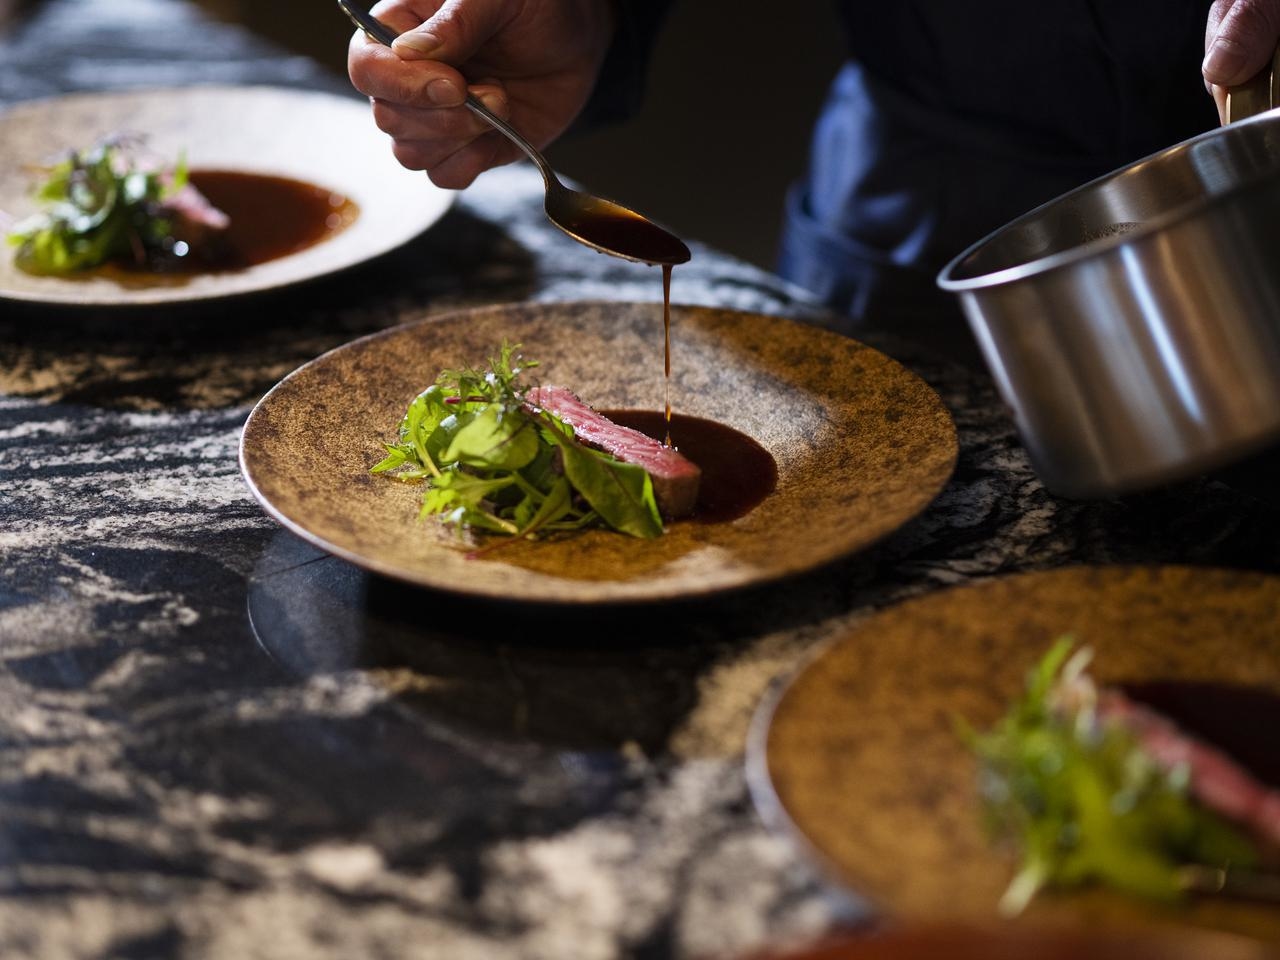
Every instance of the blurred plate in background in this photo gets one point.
(861, 760)
(318, 138)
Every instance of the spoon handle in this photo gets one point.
(376, 30)
(480, 110)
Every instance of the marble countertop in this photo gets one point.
(217, 742)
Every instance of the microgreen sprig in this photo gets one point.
(496, 464)
(98, 205)
(1082, 799)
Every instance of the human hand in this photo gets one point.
(1239, 40)
(533, 64)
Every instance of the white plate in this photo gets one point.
(317, 137)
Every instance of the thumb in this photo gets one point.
(453, 33)
(1243, 42)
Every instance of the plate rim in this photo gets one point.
(768, 803)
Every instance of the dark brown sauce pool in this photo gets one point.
(737, 473)
(1242, 721)
(271, 217)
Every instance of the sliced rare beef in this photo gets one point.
(1217, 780)
(198, 223)
(675, 477)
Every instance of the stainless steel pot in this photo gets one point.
(1133, 324)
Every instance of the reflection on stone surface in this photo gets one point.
(562, 677)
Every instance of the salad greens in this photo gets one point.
(493, 464)
(99, 206)
(1084, 801)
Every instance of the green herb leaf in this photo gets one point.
(1082, 799)
(462, 497)
(493, 439)
(622, 493)
(492, 465)
(180, 177)
(99, 206)
(556, 505)
(395, 458)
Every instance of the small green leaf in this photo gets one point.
(181, 175)
(98, 206)
(554, 506)
(1082, 798)
(496, 467)
(395, 458)
(463, 496)
(493, 440)
(621, 493)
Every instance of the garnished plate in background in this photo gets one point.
(860, 759)
(862, 446)
(319, 138)
(959, 942)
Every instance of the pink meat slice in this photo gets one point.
(675, 477)
(1216, 780)
(196, 221)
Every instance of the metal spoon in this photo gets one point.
(601, 224)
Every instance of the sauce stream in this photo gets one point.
(666, 346)
(737, 472)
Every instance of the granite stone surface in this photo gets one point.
(217, 742)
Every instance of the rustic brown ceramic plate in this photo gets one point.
(860, 758)
(862, 446)
(959, 942)
(323, 139)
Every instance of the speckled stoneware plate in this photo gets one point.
(859, 757)
(959, 942)
(320, 138)
(862, 446)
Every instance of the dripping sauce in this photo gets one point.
(666, 347)
(737, 472)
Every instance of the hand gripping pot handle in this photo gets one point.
(1257, 95)
(1133, 323)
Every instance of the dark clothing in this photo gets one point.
(952, 118)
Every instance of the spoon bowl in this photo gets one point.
(598, 223)
(612, 228)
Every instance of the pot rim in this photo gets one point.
(1101, 245)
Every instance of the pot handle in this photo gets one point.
(1257, 95)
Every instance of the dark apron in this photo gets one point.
(954, 117)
